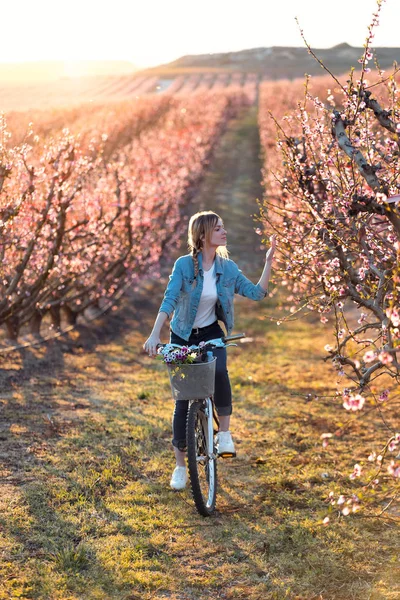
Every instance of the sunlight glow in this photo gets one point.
(157, 32)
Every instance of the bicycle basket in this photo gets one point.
(196, 380)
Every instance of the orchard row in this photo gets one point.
(100, 90)
(86, 209)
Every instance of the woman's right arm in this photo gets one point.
(167, 307)
(150, 345)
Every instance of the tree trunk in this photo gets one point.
(55, 315)
(12, 326)
(35, 322)
(70, 315)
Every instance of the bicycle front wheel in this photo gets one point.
(201, 456)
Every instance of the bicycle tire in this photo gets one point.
(202, 469)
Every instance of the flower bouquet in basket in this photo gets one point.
(185, 355)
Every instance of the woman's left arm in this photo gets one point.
(245, 287)
(265, 275)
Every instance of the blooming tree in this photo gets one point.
(333, 197)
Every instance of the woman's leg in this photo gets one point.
(223, 393)
(223, 400)
(179, 418)
(180, 457)
(179, 431)
(224, 422)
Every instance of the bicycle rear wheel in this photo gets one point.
(201, 457)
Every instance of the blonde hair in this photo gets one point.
(201, 225)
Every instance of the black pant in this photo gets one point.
(222, 393)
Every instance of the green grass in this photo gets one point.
(85, 505)
(86, 510)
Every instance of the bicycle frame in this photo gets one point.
(208, 411)
(210, 429)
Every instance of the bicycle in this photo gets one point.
(195, 382)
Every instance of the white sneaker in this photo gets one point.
(225, 445)
(179, 478)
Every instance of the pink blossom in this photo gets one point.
(354, 403)
(385, 358)
(362, 272)
(325, 439)
(369, 356)
(394, 469)
(356, 471)
(394, 316)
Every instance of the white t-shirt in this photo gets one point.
(206, 310)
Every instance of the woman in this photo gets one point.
(199, 293)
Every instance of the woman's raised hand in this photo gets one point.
(271, 251)
(150, 345)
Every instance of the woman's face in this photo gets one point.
(218, 235)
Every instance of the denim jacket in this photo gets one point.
(183, 292)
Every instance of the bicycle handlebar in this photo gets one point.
(216, 343)
(235, 336)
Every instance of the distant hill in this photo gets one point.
(275, 62)
(42, 86)
(55, 70)
(279, 62)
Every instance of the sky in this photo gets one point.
(153, 32)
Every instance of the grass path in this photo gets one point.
(85, 457)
